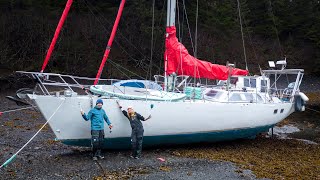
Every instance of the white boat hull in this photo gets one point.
(171, 122)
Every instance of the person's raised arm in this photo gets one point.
(119, 105)
(142, 118)
(124, 112)
(149, 117)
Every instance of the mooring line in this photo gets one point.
(103, 171)
(14, 156)
(313, 110)
(13, 110)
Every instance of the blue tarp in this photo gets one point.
(134, 84)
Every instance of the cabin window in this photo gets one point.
(246, 82)
(263, 86)
(253, 83)
(212, 94)
(233, 80)
(275, 111)
(249, 82)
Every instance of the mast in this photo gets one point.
(108, 48)
(171, 21)
(56, 34)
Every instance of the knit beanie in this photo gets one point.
(99, 101)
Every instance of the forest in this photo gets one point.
(272, 30)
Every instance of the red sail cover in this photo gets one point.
(181, 62)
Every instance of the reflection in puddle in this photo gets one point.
(283, 132)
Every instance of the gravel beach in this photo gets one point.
(45, 158)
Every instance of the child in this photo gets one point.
(97, 115)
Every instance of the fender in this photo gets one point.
(299, 103)
(303, 97)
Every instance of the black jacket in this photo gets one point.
(135, 121)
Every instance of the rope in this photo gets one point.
(14, 156)
(244, 47)
(102, 169)
(13, 110)
(313, 110)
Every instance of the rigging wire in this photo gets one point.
(190, 35)
(110, 24)
(122, 48)
(196, 70)
(196, 31)
(139, 62)
(182, 26)
(163, 45)
(151, 51)
(250, 39)
(119, 66)
(244, 47)
(180, 38)
(275, 27)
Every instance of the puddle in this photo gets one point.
(283, 132)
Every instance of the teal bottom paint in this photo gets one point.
(125, 143)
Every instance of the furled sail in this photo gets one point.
(178, 60)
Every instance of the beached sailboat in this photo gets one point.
(240, 106)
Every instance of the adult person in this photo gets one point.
(137, 130)
(97, 115)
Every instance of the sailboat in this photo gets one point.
(239, 106)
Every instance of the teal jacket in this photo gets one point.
(97, 116)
